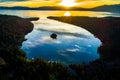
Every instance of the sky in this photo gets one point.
(39, 3)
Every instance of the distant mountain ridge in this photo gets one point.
(42, 8)
(108, 8)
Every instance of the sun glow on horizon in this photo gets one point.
(65, 3)
(68, 3)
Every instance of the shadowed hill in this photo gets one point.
(106, 29)
(15, 66)
(13, 62)
(16, 24)
(12, 33)
(108, 8)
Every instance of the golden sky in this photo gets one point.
(39, 3)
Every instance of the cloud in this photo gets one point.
(58, 0)
(95, 0)
(69, 35)
(38, 3)
(11, 0)
(28, 0)
(49, 40)
(72, 50)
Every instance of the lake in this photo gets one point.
(73, 44)
(44, 14)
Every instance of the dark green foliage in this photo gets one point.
(107, 29)
(17, 67)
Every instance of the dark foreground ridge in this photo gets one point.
(13, 62)
(15, 66)
(107, 29)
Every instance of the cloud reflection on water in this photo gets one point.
(49, 40)
(73, 44)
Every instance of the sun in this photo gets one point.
(68, 3)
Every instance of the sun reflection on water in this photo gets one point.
(67, 13)
(45, 14)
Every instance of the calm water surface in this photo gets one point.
(73, 44)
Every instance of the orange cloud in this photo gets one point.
(39, 3)
(91, 4)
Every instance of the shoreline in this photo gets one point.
(15, 66)
(106, 29)
(13, 62)
(12, 33)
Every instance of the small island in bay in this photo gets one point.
(13, 62)
(53, 36)
(15, 66)
(59, 39)
(107, 29)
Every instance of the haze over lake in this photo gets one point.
(44, 14)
